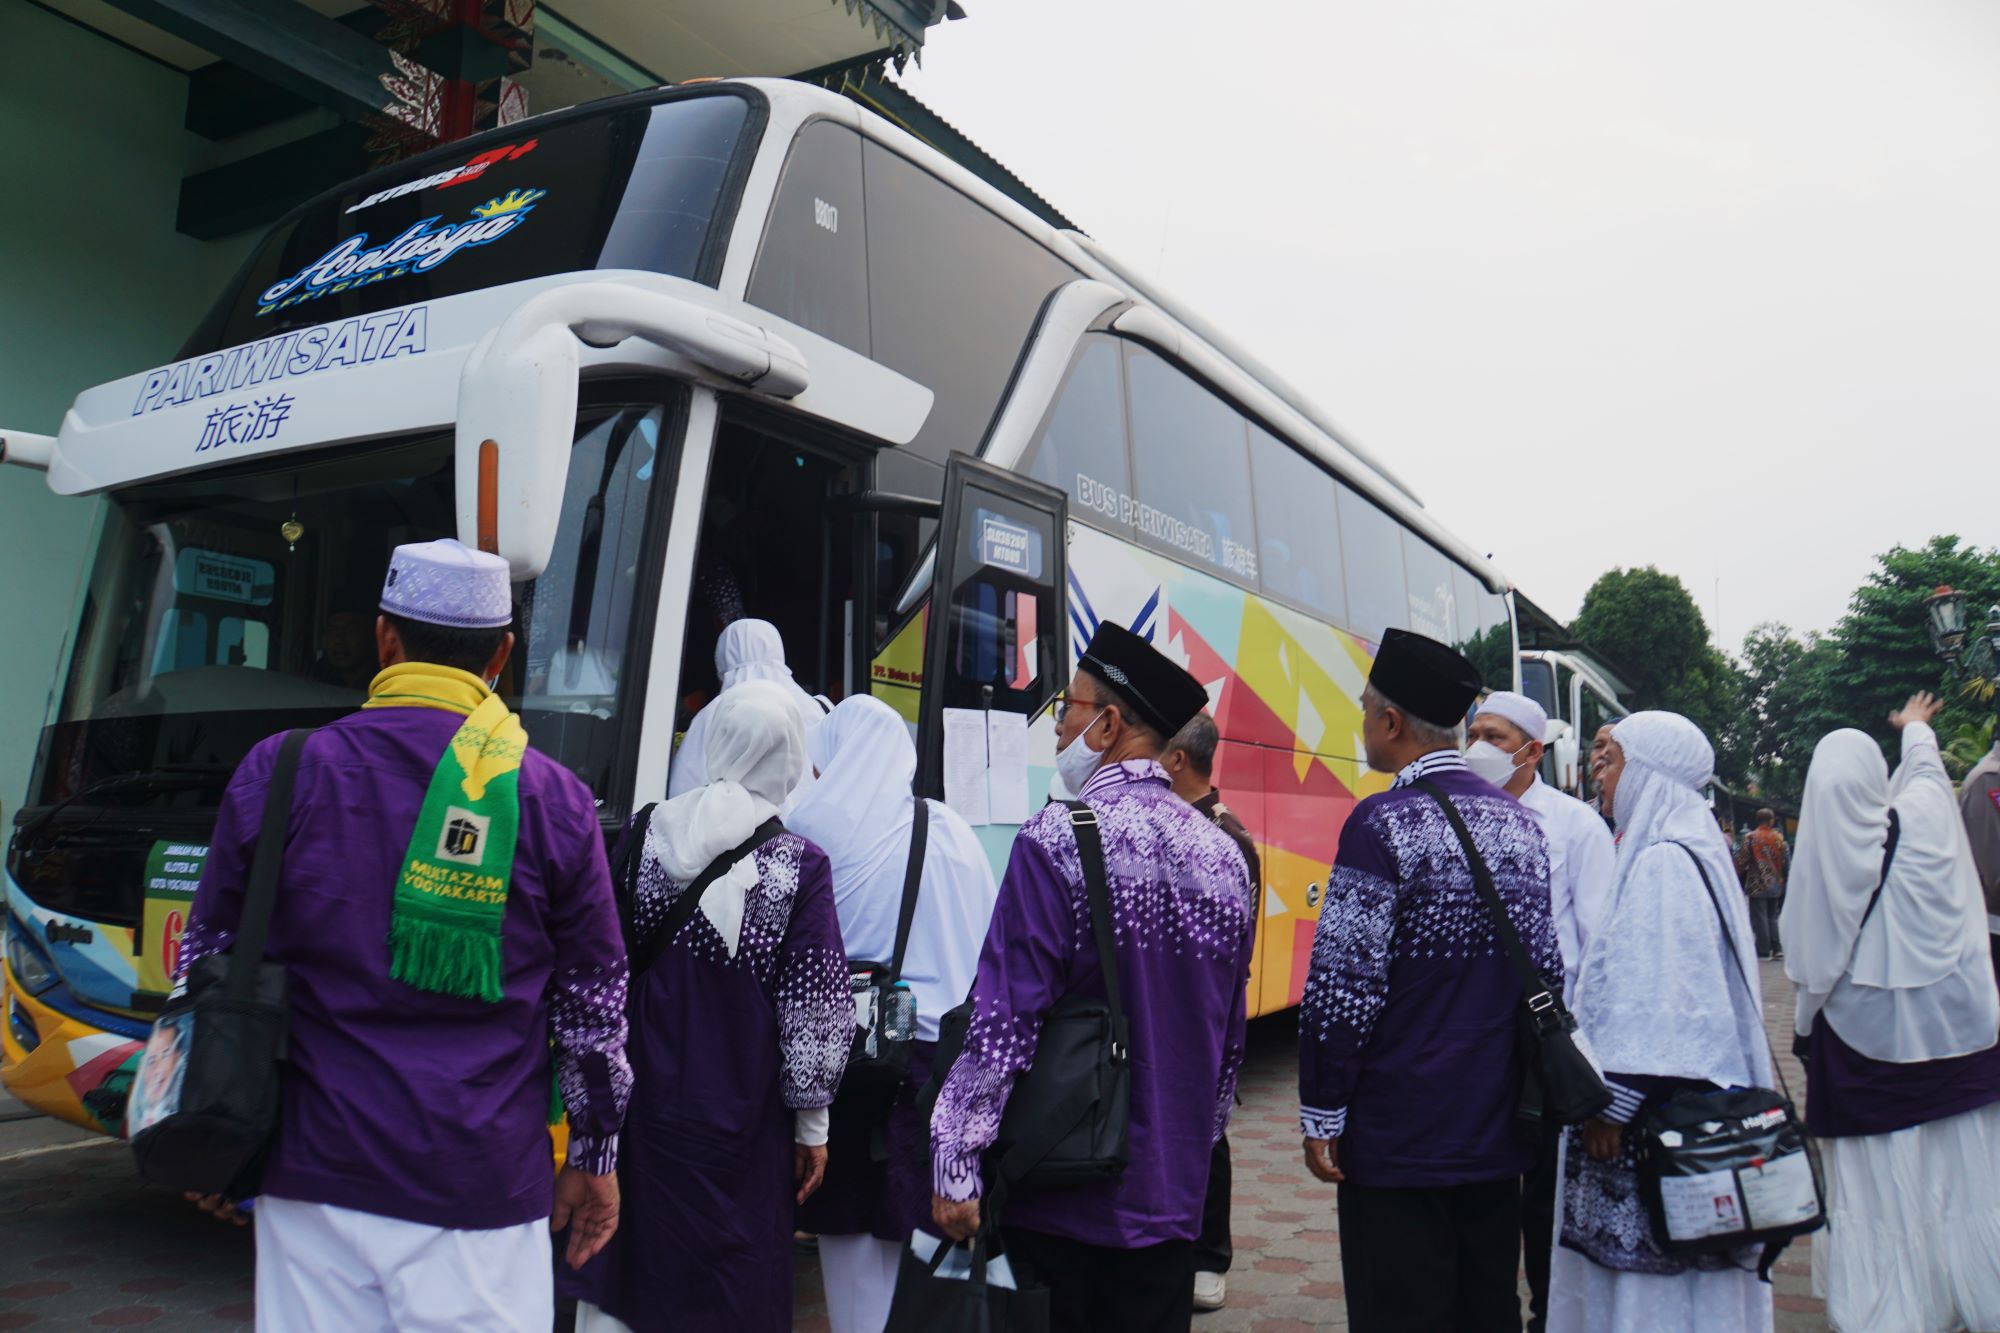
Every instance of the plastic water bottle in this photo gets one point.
(899, 1022)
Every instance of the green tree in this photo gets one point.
(1787, 705)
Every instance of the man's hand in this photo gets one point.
(588, 1206)
(220, 1208)
(958, 1221)
(808, 1169)
(1602, 1139)
(1323, 1160)
(1922, 707)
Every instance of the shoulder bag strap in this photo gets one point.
(1535, 991)
(683, 909)
(261, 896)
(913, 878)
(1882, 882)
(626, 854)
(1090, 850)
(1736, 962)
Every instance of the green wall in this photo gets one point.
(95, 283)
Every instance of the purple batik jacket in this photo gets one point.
(1407, 1027)
(398, 1101)
(1184, 921)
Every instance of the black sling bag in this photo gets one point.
(1559, 1085)
(1067, 1119)
(643, 945)
(205, 1101)
(878, 1061)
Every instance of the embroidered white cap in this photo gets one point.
(1524, 713)
(447, 583)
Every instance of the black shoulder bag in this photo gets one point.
(1066, 1121)
(205, 1101)
(1722, 1170)
(878, 1061)
(643, 945)
(1558, 1085)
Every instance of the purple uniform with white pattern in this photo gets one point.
(1407, 1027)
(724, 1050)
(1184, 923)
(402, 1102)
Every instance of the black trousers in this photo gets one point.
(1538, 1224)
(1213, 1249)
(1438, 1260)
(1764, 924)
(1096, 1289)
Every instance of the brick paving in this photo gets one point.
(85, 1245)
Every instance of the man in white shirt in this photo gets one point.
(1506, 741)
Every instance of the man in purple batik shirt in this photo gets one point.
(1119, 1254)
(409, 1181)
(1408, 1073)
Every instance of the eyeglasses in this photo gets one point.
(1066, 702)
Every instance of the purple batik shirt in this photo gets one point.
(1407, 1028)
(1183, 920)
(397, 1101)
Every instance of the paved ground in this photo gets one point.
(84, 1245)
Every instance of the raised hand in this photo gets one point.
(1922, 707)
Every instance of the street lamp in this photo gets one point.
(1976, 665)
(1945, 610)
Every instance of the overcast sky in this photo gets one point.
(1708, 284)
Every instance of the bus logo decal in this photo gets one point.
(418, 249)
(352, 342)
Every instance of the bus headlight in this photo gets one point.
(32, 970)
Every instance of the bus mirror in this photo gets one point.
(1565, 748)
(517, 398)
(24, 449)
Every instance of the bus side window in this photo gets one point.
(1190, 470)
(1371, 550)
(1081, 448)
(1297, 529)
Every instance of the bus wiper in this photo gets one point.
(168, 777)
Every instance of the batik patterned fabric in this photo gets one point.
(1183, 923)
(727, 1043)
(1407, 1029)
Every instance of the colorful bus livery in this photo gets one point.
(750, 350)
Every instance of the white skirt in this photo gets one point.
(1912, 1243)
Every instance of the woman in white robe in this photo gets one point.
(860, 813)
(1661, 1007)
(1899, 1009)
(746, 650)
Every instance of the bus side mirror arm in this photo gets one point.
(517, 399)
(25, 449)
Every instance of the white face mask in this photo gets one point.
(1488, 761)
(1077, 761)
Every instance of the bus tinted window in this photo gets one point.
(813, 269)
(1190, 470)
(1298, 530)
(953, 291)
(1082, 444)
(1371, 554)
(1427, 575)
(642, 187)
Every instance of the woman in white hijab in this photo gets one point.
(746, 650)
(860, 812)
(1898, 1005)
(739, 1028)
(1664, 1002)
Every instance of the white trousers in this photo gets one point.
(860, 1277)
(322, 1269)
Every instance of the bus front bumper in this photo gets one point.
(51, 1059)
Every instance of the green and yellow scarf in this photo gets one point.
(451, 898)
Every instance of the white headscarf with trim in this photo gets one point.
(859, 813)
(1657, 993)
(746, 650)
(1921, 983)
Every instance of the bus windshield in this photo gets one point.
(223, 607)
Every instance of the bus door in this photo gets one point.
(994, 650)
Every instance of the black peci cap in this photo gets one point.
(1425, 678)
(1165, 697)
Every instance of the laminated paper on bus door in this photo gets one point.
(965, 763)
(1007, 767)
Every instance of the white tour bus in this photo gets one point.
(681, 356)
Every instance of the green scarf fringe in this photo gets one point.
(445, 960)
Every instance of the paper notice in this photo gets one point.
(1007, 767)
(1703, 1205)
(965, 763)
(1780, 1192)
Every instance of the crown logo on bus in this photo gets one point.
(514, 201)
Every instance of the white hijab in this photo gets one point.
(746, 650)
(859, 813)
(754, 752)
(1657, 992)
(1921, 983)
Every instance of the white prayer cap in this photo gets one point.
(446, 583)
(1523, 713)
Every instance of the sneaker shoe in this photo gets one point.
(1210, 1290)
